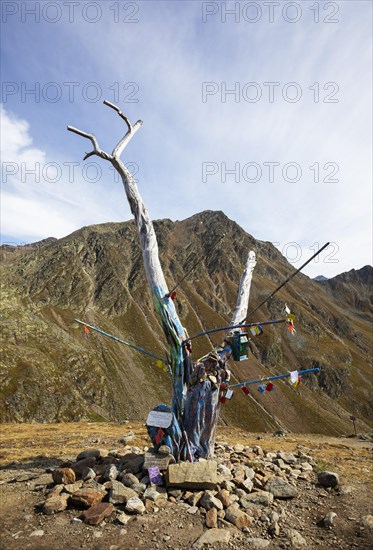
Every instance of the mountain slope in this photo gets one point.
(51, 371)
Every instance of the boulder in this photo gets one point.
(295, 538)
(257, 543)
(280, 488)
(209, 501)
(89, 453)
(87, 497)
(132, 462)
(55, 504)
(63, 476)
(261, 498)
(212, 518)
(128, 479)
(225, 498)
(119, 493)
(328, 479)
(213, 536)
(81, 465)
(237, 517)
(95, 514)
(135, 506)
(192, 475)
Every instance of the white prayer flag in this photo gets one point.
(294, 376)
(229, 394)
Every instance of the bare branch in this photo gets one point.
(96, 149)
(122, 115)
(118, 149)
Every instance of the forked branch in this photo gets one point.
(118, 149)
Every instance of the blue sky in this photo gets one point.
(170, 63)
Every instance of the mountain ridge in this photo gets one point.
(51, 371)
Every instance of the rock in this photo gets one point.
(55, 504)
(328, 520)
(213, 536)
(95, 514)
(55, 491)
(151, 494)
(132, 462)
(89, 453)
(139, 488)
(238, 448)
(75, 521)
(119, 493)
(128, 479)
(247, 485)
(178, 492)
(345, 489)
(194, 498)
(37, 533)
(280, 488)
(158, 459)
(225, 498)
(237, 517)
(124, 518)
(81, 465)
(261, 498)
(63, 475)
(367, 521)
(212, 518)
(209, 501)
(257, 543)
(295, 538)
(88, 473)
(111, 472)
(328, 479)
(250, 473)
(289, 458)
(194, 509)
(306, 467)
(135, 505)
(274, 529)
(225, 472)
(87, 497)
(192, 475)
(164, 450)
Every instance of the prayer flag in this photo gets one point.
(155, 475)
(86, 330)
(270, 386)
(229, 394)
(245, 390)
(159, 435)
(223, 399)
(287, 310)
(173, 295)
(261, 388)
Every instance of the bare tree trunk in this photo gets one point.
(164, 306)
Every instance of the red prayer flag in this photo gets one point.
(269, 386)
(86, 330)
(173, 295)
(159, 436)
(245, 390)
(223, 399)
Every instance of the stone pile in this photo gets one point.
(242, 486)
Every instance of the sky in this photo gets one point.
(259, 109)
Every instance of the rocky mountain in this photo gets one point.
(52, 371)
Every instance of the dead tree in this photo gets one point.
(164, 305)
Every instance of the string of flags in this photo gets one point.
(265, 384)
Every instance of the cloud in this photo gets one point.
(169, 54)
